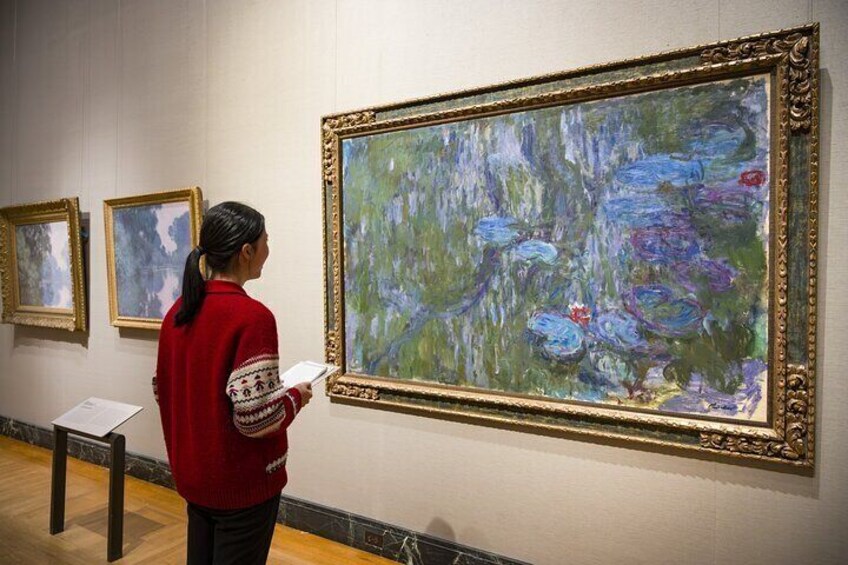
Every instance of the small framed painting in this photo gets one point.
(41, 265)
(148, 238)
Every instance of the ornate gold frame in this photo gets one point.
(791, 58)
(192, 195)
(66, 210)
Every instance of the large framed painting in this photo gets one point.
(41, 265)
(148, 239)
(625, 252)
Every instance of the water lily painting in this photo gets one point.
(149, 238)
(608, 253)
(611, 251)
(41, 265)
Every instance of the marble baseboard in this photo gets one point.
(379, 538)
(139, 466)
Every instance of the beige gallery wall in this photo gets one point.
(106, 98)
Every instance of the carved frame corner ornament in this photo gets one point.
(786, 436)
(329, 130)
(793, 443)
(64, 210)
(799, 49)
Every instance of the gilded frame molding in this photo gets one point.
(191, 195)
(67, 210)
(791, 58)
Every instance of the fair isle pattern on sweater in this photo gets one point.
(259, 400)
(276, 463)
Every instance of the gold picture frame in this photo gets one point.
(786, 63)
(50, 248)
(150, 273)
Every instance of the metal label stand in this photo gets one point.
(117, 444)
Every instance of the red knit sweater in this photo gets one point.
(224, 413)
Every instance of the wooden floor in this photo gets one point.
(154, 519)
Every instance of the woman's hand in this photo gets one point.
(305, 390)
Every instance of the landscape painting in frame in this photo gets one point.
(42, 265)
(602, 257)
(149, 238)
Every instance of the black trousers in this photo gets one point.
(231, 537)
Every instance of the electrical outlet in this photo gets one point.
(373, 538)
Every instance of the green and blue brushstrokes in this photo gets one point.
(613, 251)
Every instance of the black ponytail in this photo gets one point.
(225, 230)
(193, 288)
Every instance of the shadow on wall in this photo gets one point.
(139, 334)
(599, 451)
(31, 336)
(441, 529)
(825, 141)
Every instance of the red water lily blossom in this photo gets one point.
(580, 314)
(752, 178)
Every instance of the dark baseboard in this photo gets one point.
(379, 538)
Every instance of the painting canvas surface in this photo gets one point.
(613, 252)
(151, 246)
(44, 265)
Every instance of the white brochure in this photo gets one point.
(307, 372)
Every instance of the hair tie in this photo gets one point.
(200, 249)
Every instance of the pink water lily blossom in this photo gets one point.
(580, 314)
